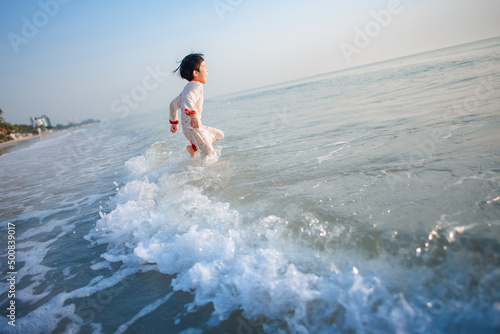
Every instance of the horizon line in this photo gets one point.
(265, 88)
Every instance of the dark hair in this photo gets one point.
(190, 63)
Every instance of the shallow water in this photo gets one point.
(362, 201)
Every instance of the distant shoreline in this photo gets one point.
(24, 137)
(4, 147)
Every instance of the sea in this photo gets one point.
(361, 201)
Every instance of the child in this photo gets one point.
(190, 101)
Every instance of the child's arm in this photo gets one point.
(195, 122)
(174, 106)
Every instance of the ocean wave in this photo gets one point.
(306, 276)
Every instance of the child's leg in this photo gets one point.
(192, 149)
(216, 134)
(201, 140)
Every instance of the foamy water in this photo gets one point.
(363, 201)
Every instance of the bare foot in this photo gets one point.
(190, 150)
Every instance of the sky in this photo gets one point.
(76, 59)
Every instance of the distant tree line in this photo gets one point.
(6, 129)
(72, 125)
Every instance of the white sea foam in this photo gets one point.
(234, 260)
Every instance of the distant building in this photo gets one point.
(43, 121)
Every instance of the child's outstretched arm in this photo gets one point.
(175, 105)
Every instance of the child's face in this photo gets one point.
(201, 75)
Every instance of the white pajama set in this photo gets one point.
(190, 101)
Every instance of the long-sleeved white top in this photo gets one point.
(190, 98)
(190, 101)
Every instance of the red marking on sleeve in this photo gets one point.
(194, 147)
(190, 112)
(174, 122)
